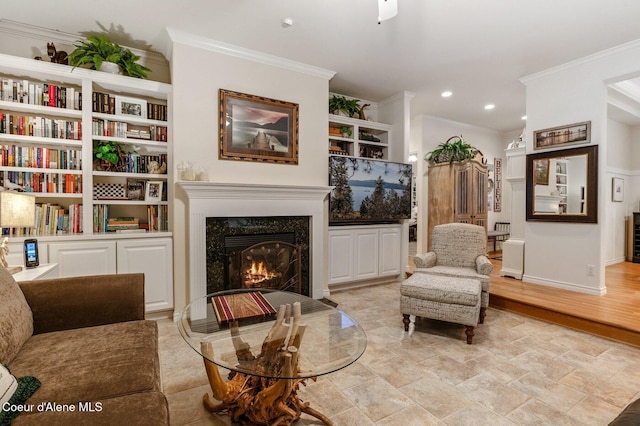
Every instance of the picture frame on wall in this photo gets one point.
(617, 189)
(130, 106)
(153, 191)
(255, 128)
(577, 133)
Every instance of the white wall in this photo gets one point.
(619, 165)
(560, 254)
(428, 132)
(198, 74)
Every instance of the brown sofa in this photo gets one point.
(85, 339)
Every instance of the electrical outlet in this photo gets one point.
(591, 270)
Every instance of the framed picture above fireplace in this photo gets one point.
(255, 128)
(367, 190)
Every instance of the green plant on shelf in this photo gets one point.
(338, 103)
(346, 131)
(96, 50)
(110, 156)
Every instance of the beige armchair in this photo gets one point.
(458, 250)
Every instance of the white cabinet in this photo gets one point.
(390, 241)
(368, 252)
(77, 258)
(154, 258)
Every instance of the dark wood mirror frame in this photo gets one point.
(591, 185)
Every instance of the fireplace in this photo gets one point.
(234, 200)
(258, 252)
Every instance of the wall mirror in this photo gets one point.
(562, 185)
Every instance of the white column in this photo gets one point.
(513, 248)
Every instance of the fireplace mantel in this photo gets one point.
(209, 199)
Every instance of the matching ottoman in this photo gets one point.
(443, 298)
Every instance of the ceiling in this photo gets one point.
(477, 49)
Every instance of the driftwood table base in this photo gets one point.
(262, 399)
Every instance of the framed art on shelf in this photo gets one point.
(131, 106)
(563, 135)
(153, 192)
(136, 189)
(617, 189)
(255, 128)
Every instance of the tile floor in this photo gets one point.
(519, 371)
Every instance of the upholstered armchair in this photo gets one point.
(458, 250)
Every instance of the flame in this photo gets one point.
(258, 272)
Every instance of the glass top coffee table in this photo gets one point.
(269, 354)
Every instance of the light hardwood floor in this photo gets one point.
(615, 315)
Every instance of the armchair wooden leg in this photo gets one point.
(406, 321)
(483, 313)
(469, 332)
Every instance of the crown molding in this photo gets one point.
(598, 56)
(178, 36)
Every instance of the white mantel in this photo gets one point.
(208, 199)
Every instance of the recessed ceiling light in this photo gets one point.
(524, 117)
(446, 94)
(286, 22)
(489, 106)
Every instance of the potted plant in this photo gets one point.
(454, 149)
(346, 131)
(349, 107)
(95, 51)
(110, 156)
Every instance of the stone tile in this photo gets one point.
(350, 417)
(324, 397)
(186, 407)
(450, 370)
(536, 413)
(501, 369)
(377, 399)
(352, 376)
(437, 397)
(611, 391)
(410, 416)
(536, 362)
(594, 411)
(493, 394)
(398, 371)
(554, 394)
(471, 415)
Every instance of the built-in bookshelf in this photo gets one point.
(358, 138)
(53, 121)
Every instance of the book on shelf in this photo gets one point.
(131, 231)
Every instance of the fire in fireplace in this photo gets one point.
(264, 252)
(272, 264)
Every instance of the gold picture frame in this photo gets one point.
(577, 133)
(255, 128)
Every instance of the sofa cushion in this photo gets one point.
(16, 319)
(138, 409)
(93, 363)
(14, 394)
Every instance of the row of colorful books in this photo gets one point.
(44, 127)
(54, 183)
(119, 129)
(40, 157)
(43, 94)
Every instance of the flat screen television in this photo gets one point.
(368, 190)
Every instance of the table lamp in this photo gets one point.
(17, 210)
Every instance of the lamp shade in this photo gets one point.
(17, 210)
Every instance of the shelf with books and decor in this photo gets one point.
(52, 118)
(358, 138)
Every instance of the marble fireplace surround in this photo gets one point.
(208, 199)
